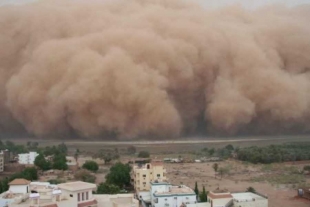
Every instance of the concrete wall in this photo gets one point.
(172, 201)
(27, 158)
(256, 203)
(19, 189)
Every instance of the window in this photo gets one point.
(144, 176)
(87, 195)
(144, 183)
(79, 197)
(71, 195)
(158, 175)
(82, 196)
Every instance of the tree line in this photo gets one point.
(275, 153)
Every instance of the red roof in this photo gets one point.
(219, 196)
(88, 203)
(19, 181)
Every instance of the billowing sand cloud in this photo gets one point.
(143, 68)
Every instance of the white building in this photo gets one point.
(163, 194)
(80, 192)
(249, 199)
(73, 194)
(19, 186)
(27, 158)
(18, 191)
(220, 198)
(118, 200)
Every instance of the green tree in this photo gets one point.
(91, 166)
(119, 175)
(203, 195)
(9, 145)
(85, 176)
(63, 148)
(211, 151)
(5, 184)
(104, 188)
(307, 168)
(215, 167)
(229, 147)
(107, 155)
(251, 189)
(42, 163)
(144, 154)
(29, 173)
(60, 162)
(196, 189)
(76, 154)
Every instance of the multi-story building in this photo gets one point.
(143, 175)
(163, 194)
(27, 158)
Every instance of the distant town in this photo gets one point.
(53, 176)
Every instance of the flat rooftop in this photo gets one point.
(173, 190)
(246, 196)
(76, 186)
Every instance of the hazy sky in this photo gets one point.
(208, 3)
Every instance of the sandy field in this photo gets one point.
(238, 180)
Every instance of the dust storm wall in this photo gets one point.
(143, 68)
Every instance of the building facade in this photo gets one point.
(220, 198)
(248, 199)
(163, 194)
(143, 175)
(27, 158)
(72, 194)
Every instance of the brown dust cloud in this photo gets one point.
(153, 68)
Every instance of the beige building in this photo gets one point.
(118, 200)
(143, 175)
(223, 198)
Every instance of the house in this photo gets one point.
(220, 198)
(248, 199)
(143, 175)
(73, 194)
(118, 200)
(80, 192)
(20, 185)
(18, 191)
(223, 198)
(164, 194)
(27, 158)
